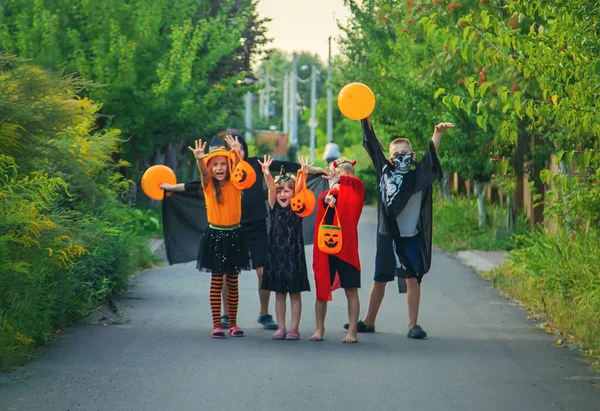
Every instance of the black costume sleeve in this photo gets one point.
(427, 170)
(184, 223)
(193, 185)
(373, 146)
(289, 166)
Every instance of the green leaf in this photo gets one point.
(464, 51)
(569, 158)
(529, 109)
(518, 106)
(456, 101)
(471, 88)
(559, 156)
(484, 87)
(482, 122)
(485, 18)
(466, 31)
(545, 176)
(438, 92)
(587, 157)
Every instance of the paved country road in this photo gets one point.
(482, 354)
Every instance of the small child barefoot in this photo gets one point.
(350, 338)
(318, 335)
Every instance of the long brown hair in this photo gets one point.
(217, 183)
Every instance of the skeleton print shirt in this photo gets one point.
(396, 188)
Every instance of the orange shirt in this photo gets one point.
(229, 211)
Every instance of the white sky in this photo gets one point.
(304, 25)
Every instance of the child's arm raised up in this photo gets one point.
(438, 132)
(301, 178)
(234, 144)
(199, 155)
(372, 145)
(266, 164)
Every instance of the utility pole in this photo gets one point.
(285, 103)
(267, 97)
(248, 131)
(261, 103)
(294, 108)
(329, 98)
(313, 111)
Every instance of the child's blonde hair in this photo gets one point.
(400, 141)
(344, 166)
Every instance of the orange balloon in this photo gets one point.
(154, 177)
(356, 101)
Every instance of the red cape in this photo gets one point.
(350, 201)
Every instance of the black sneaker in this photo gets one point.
(267, 322)
(417, 332)
(361, 327)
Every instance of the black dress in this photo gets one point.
(285, 271)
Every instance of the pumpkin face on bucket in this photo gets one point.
(330, 239)
(240, 175)
(243, 175)
(303, 204)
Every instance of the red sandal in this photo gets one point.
(236, 331)
(218, 333)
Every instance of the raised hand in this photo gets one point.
(304, 164)
(234, 144)
(266, 165)
(199, 149)
(443, 127)
(332, 176)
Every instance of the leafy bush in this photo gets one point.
(66, 238)
(556, 274)
(456, 226)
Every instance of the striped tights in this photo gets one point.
(216, 285)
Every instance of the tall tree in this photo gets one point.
(166, 70)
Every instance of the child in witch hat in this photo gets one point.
(223, 250)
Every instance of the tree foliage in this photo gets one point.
(520, 79)
(66, 238)
(164, 69)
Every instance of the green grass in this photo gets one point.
(39, 296)
(557, 275)
(456, 227)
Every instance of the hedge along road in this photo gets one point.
(482, 353)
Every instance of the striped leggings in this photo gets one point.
(216, 285)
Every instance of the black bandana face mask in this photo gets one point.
(402, 162)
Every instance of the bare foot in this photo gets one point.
(318, 335)
(350, 338)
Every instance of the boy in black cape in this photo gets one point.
(404, 207)
(184, 221)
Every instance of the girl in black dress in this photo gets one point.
(285, 269)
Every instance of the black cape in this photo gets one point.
(184, 213)
(394, 192)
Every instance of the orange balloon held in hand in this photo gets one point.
(356, 101)
(154, 177)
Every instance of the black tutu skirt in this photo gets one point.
(223, 251)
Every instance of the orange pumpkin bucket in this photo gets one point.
(242, 175)
(329, 237)
(303, 203)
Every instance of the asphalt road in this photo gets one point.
(482, 354)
